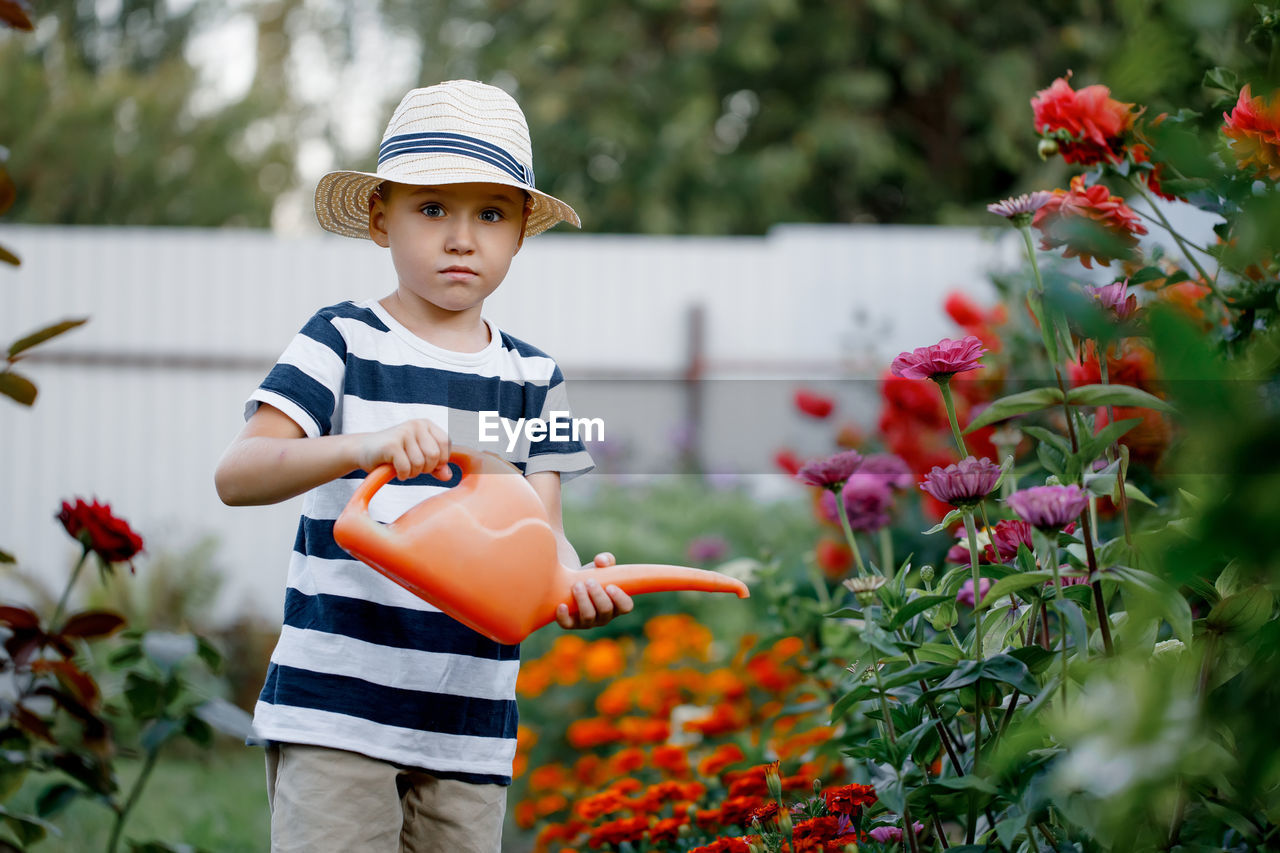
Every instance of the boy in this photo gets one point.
(390, 726)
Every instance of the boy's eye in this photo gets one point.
(491, 215)
(433, 209)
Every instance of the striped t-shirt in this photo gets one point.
(362, 664)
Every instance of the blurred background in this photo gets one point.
(776, 195)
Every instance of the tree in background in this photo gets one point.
(104, 119)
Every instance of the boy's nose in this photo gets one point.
(460, 238)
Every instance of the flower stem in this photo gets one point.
(1050, 554)
(1111, 418)
(972, 533)
(134, 795)
(66, 592)
(944, 385)
(848, 534)
(886, 552)
(884, 703)
(1182, 242)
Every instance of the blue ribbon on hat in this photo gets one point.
(456, 143)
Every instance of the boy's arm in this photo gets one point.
(272, 460)
(596, 605)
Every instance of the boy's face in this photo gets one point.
(451, 245)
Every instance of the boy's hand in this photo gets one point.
(597, 605)
(412, 448)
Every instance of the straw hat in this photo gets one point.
(451, 133)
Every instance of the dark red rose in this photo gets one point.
(95, 527)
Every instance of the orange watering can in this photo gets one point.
(484, 551)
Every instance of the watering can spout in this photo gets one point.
(485, 553)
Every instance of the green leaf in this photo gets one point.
(844, 613)
(1016, 404)
(39, 337)
(1049, 437)
(1009, 670)
(1014, 583)
(913, 608)
(1094, 445)
(947, 520)
(55, 798)
(1153, 590)
(6, 557)
(1132, 492)
(1035, 658)
(1115, 395)
(9, 257)
(1245, 612)
(17, 387)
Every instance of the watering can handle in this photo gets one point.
(385, 473)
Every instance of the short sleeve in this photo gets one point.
(562, 448)
(306, 383)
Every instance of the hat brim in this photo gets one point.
(342, 200)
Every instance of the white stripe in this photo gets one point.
(296, 413)
(317, 361)
(407, 669)
(430, 750)
(350, 579)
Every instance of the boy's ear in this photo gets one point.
(524, 219)
(378, 218)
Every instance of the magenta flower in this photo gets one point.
(965, 595)
(829, 473)
(867, 501)
(963, 483)
(1021, 208)
(1068, 580)
(958, 553)
(1115, 297)
(1006, 536)
(890, 833)
(940, 361)
(1049, 507)
(707, 549)
(891, 469)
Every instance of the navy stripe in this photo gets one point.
(390, 706)
(384, 625)
(518, 174)
(319, 329)
(291, 383)
(467, 147)
(350, 311)
(407, 383)
(523, 349)
(473, 778)
(397, 142)
(421, 480)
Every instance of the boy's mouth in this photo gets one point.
(458, 273)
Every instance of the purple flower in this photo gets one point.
(940, 361)
(965, 595)
(890, 468)
(867, 501)
(958, 553)
(1115, 297)
(963, 483)
(1049, 507)
(1021, 208)
(829, 473)
(707, 549)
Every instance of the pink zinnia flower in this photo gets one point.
(707, 549)
(1115, 297)
(1021, 208)
(940, 361)
(962, 483)
(890, 833)
(829, 473)
(1049, 507)
(867, 501)
(1006, 536)
(890, 468)
(965, 595)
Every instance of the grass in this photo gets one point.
(215, 802)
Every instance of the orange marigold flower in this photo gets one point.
(526, 814)
(725, 683)
(849, 799)
(626, 786)
(592, 732)
(603, 659)
(727, 845)
(617, 831)
(707, 818)
(820, 829)
(1095, 122)
(626, 761)
(598, 805)
(549, 777)
(644, 730)
(765, 813)
(722, 720)
(673, 759)
(587, 769)
(749, 782)
(667, 829)
(1090, 222)
(1253, 130)
(616, 699)
(550, 804)
(738, 809)
(724, 755)
(534, 679)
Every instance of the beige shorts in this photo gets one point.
(331, 801)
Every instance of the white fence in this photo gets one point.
(137, 406)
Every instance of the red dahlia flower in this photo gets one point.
(1006, 536)
(1094, 122)
(1253, 130)
(96, 529)
(1090, 222)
